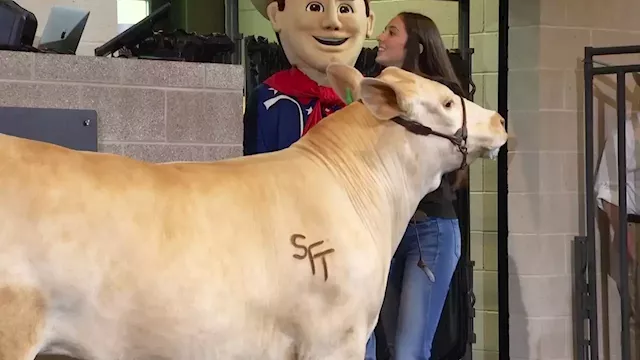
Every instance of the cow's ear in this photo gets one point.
(345, 81)
(381, 98)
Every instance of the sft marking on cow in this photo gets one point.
(308, 253)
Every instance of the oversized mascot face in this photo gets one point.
(315, 33)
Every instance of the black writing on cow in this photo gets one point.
(308, 252)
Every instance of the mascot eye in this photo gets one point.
(345, 9)
(315, 7)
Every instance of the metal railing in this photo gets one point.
(586, 310)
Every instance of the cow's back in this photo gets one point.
(155, 257)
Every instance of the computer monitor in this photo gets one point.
(63, 30)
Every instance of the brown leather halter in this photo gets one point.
(459, 139)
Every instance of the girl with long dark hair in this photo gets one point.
(412, 41)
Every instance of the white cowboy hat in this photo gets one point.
(261, 6)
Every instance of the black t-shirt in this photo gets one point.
(439, 203)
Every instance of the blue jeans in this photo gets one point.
(419, 300)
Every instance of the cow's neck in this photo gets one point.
(383, 166)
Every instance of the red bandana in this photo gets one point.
(295, 83)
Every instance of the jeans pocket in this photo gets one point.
(457, 240)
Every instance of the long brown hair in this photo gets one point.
(434, 62)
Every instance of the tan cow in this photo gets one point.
(274, 256)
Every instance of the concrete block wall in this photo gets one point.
(101, 26)
(148, 110)
(484, 38)
(546, 171)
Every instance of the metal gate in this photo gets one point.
(586, 303)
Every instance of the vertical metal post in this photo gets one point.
(622, 214)
(464, 25)
(580, 313)
(464, 14)
(592, 302)
(232, 29)
(503, 184)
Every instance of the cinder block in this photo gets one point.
(109, 148)
(163, 73)
(491, 331)
(524, 213)
(491, 91)
(524, 48)
(490, 249)
(478, 81)
(490, 212)
(477, 246)
(538, 254)
(485, 57)
(582, 14)
(532, 90)
(524, 13)
(40, 95)
(476, 17)
(547, 338)
(213, 153)
(484, 212)
(490, 176)
(475, 176)
(15, 65)
(475, 211)
(485, 288)
(127, 114)
(224, 76)
(529, 296)
(562, 48)
(491, 20)
(54, 67)
(448, 41)
(443, 13)
(204, 117)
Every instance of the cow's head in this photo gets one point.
(421, 104)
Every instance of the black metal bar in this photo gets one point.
(503, 184)
(612, 50)
(592, 301)
(464, 25)
(464, 14)
(622, 213)
(232, 28)
(580, 311)
(605, 70)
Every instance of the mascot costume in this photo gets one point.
(312, 34)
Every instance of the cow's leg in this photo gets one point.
(22, 318)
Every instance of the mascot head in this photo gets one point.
(314, 33)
